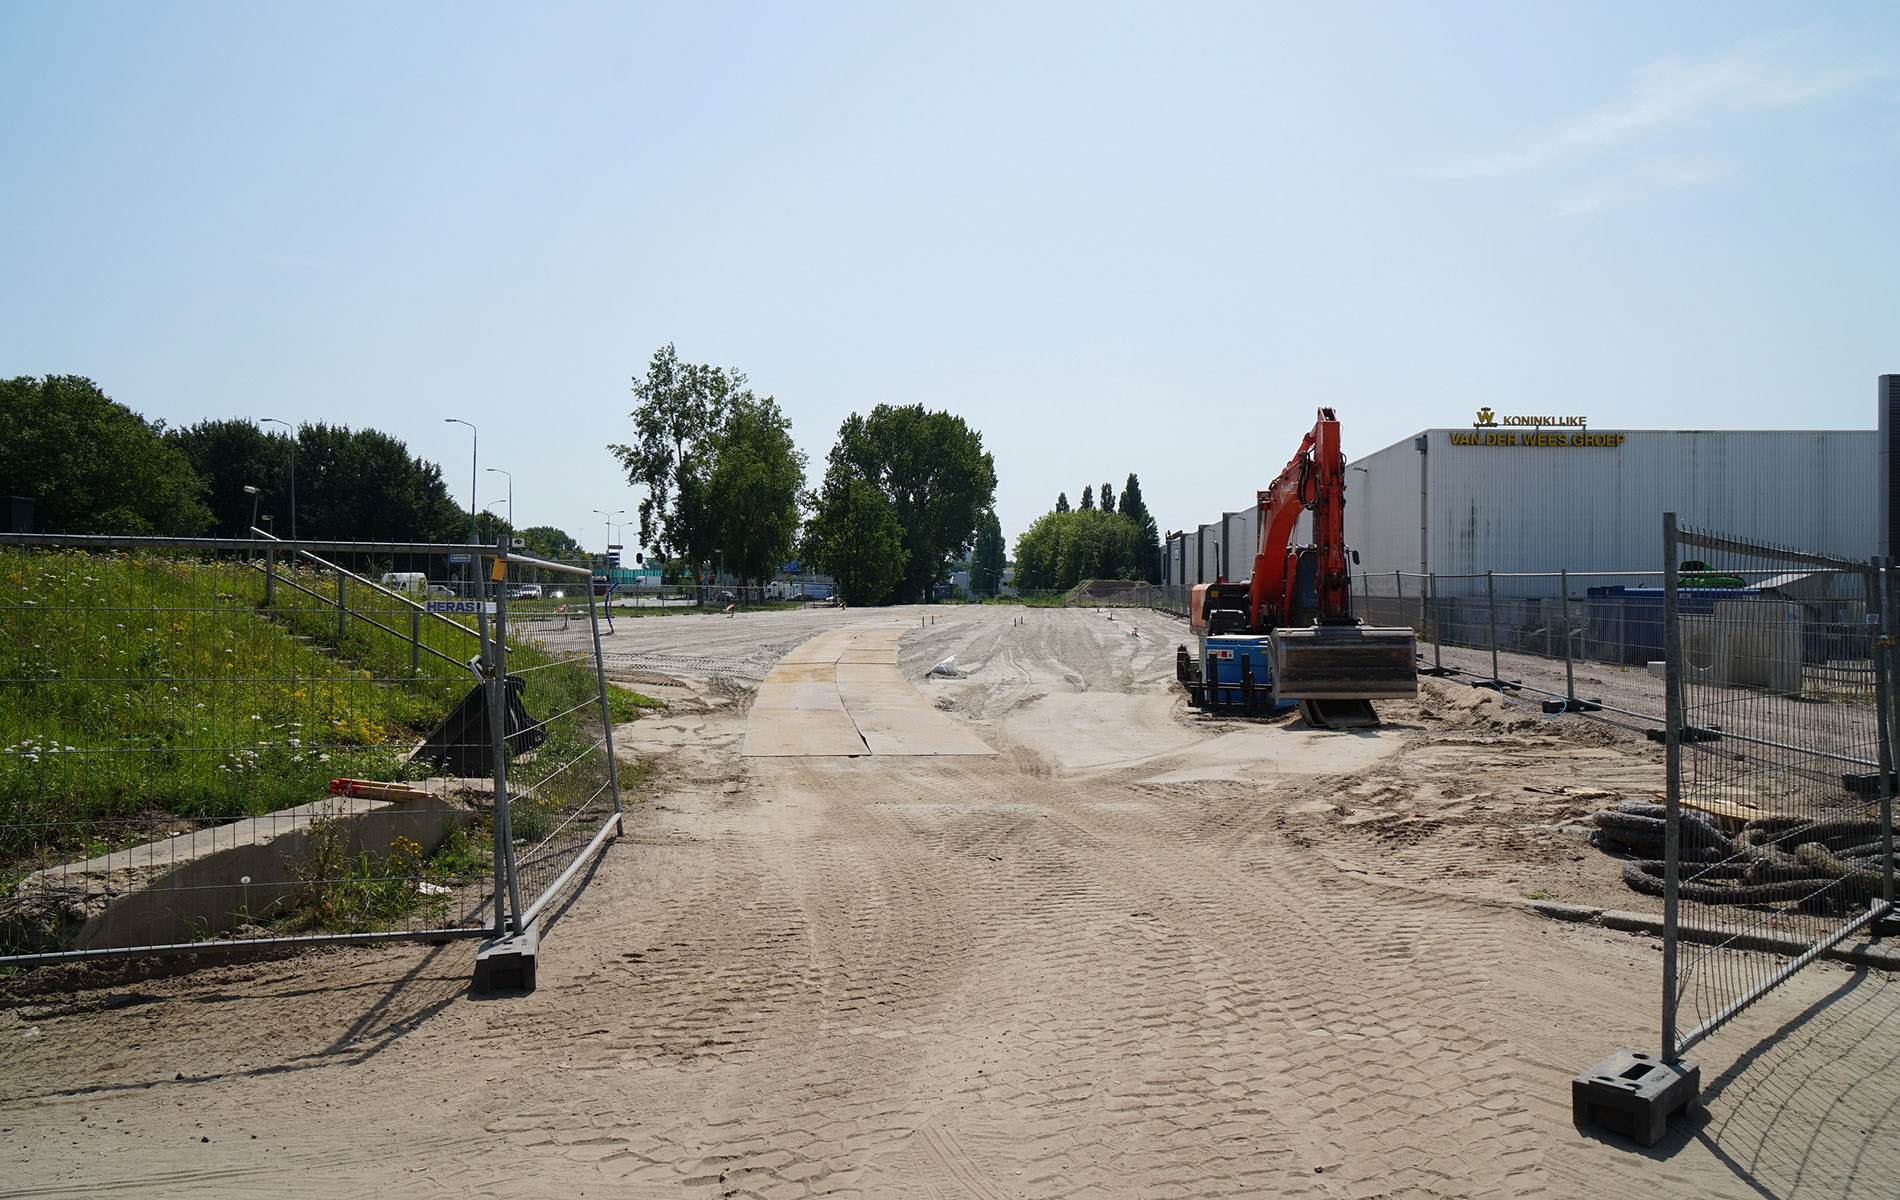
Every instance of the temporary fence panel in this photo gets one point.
(1115, 593)
(1533, 632)
(1778, 839)
(563, 798)
(210, 743)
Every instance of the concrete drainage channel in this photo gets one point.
(207, 882)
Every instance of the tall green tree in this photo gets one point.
(556, 545)
(231, 455)
(757, 475)
(1133, 507)
(721, 472)
(364, 485)
(1062, 502)
(1088, 499)
(92, 465)
(351, 484)
(987, 561)
(681, 407)
(855, 538)
(932, 468)
(1108, 498)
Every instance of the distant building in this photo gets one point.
(1536, 493)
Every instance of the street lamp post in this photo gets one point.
(293, 469)
(253, 494)
(488, 509)
(608, 519)
(511, 494)
(474, 448)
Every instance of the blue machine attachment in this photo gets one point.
(1236, 672)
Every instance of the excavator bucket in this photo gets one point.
(1334, 671)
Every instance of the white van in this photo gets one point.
(410, 583)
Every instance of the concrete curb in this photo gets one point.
(1859, 952)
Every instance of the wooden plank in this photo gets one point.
(1729, 815)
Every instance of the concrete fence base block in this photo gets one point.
(507, 963)
(1634, 1094)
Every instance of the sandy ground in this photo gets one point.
(1138, 952)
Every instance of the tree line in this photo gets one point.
(905, 491)
(1116, 540)
(93, 465)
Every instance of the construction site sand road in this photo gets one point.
(1134, 952)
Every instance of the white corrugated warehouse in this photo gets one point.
(1516, 493)
(1465, 501)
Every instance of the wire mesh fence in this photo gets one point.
(211, 743)
(1119, 593)
(1778, 837)
(1533, 632)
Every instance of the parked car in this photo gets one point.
(525, 591)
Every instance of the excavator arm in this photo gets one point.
(1315, 479)
(1325, 659)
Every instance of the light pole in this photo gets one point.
(511, 494)
(253, 493)
(293, 469)
(608, 518)
(474, 448)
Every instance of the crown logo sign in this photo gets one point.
(1486, 417)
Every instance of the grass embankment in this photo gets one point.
(137, 688)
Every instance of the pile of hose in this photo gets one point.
(1772, 860)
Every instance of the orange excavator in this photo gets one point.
(1287, 635)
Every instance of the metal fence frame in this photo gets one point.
(1744, 956)
(544, 866)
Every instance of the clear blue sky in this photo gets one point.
(1114, 237)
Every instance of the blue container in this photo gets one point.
(1626, 623)
(1224, 657)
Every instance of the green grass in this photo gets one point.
(357, 895)
(137, 688)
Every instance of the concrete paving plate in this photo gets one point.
(841, 694)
